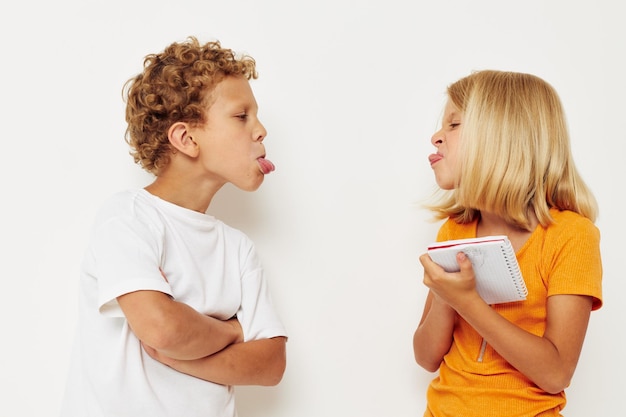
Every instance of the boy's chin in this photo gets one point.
(250, 187)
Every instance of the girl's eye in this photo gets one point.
(454, 125)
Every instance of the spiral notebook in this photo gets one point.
(498, 277)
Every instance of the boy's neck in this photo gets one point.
(187, 194)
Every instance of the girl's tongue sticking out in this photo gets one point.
(266, 165)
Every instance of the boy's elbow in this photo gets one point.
(160, 342)
(276, 374)
(277, 365)
(165, 334)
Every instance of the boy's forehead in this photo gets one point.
(233, 91)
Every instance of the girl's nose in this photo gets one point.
(437, 138)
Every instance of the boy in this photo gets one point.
(174, 307)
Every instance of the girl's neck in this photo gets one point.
(490, 224)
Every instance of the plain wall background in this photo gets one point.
(350, 93)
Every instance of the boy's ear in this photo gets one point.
(180, 138)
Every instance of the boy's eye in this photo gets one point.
(242, 116)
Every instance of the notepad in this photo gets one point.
(498, 277)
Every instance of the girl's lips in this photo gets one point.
(434, 158)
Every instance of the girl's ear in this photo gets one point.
(180, 138)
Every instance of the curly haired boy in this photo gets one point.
(174, 306)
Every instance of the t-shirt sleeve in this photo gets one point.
(575, 263)
(257, 315)
(443, 233)
(125, 257)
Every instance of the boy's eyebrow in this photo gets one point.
(242, 104)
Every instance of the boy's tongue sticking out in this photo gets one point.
(266, 165)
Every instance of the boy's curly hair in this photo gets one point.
(175, 86)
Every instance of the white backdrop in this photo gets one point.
(350, 93)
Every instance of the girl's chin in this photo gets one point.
(445, 185)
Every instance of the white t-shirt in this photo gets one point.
(209, 266)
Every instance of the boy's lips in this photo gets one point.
(434, 158)
(265, 165)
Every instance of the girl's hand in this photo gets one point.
(455, 288)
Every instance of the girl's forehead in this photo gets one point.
(450, 106)
(451, 110)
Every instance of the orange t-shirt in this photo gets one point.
(563, 258)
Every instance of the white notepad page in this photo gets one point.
(498, 277)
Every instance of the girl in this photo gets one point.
(503, 155)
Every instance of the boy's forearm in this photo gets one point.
(256, 362)
(175, 329)
(194, 336)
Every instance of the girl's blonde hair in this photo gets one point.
(175, 86)
(514, 156)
